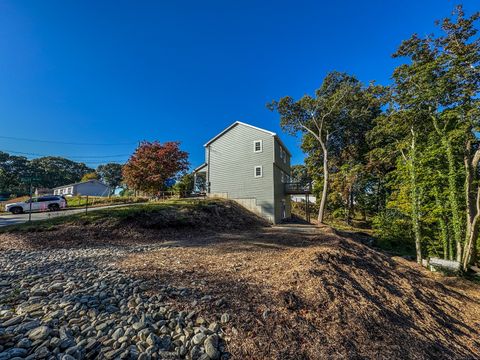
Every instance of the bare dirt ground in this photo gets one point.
(299, 293)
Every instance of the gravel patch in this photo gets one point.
(76, 304)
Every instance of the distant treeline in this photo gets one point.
(17, 173)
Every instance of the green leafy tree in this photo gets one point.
(442, 80)
(327, 120)
(13, 172)
(90, 176)
(53, 171)
(299, 174)
(184, 185)
(111, 174)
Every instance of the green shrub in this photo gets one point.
(392, 231)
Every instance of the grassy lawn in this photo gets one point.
(112, 215)
(80, 201)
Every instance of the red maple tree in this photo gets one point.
(152, 164)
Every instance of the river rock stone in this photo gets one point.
(40, 333)
(211, 347)
(225, 318)
(24, 343)
(67, 304)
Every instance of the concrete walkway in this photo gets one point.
(297, 228)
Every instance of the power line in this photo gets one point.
(102, 162)
(67, 143)
(80, 159)
(67, 156)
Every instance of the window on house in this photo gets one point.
(283, 154)
(258, 171)
(257, 146)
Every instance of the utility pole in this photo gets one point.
(30, 202)
(30, 178)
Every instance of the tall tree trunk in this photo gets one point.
(452, 189)
(323, 143)
(471, 241)
(443, 228)
(473, 207)
(415, 201)
(350, 210)
(323, 201)
(453, 197)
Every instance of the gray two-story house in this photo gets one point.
(249, 165)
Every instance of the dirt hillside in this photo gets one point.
(155, 222)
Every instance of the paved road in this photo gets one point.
(21, 218)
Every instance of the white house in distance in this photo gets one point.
(251, 166)
(90, 188)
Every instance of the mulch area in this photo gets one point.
(320, 296)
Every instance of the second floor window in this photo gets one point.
(257, 146)
(283, 154)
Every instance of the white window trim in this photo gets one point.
(255, 148)
(255, 171)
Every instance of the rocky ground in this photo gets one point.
(75, 304)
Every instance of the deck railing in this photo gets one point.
(298, 188)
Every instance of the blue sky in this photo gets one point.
(118, 72)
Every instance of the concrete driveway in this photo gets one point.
(10, 219)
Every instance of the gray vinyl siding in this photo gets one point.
(91, 189)
(279, 192)
(232, 161)
(285, 166)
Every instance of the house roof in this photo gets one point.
(198, 168)
(250, 126)
(80, 182)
